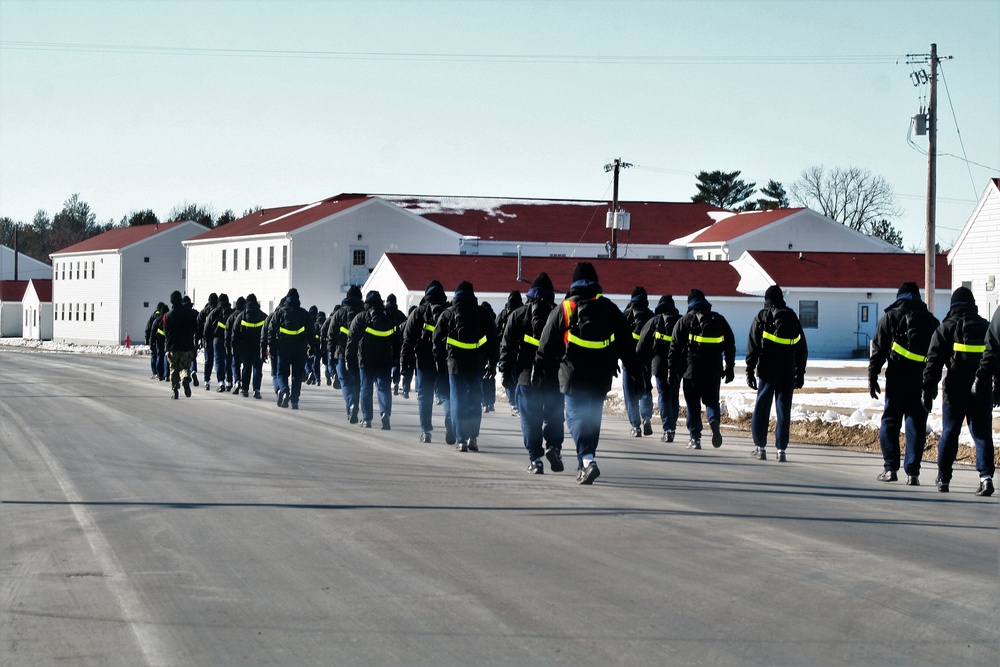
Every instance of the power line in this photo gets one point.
(573, 59)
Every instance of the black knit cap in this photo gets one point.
(695, 294)
(774, 296)
(638, 292)
(542, 281)
(373, 297)
(224, 298)
(909, 287)
(514, 297)
(353, 292)
(585, 271)
(292, 294)
(252, 299)
(175, 298)
(465, 287)
(434, 286)
(391, 299)
(241, 303)
(962, 295)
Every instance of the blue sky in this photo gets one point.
(240, 104)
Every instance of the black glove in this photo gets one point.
(751, 380)
(800, 381)
(873, 389)
(647, 384)
(536, 377)
(930, 393)
(674, 379)
(336, 381)
(395, 376)
(730, 374)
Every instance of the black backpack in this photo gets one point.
(970, 341)
(708, 330)
(783, 324)
(914, 336)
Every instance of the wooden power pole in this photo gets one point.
(617, 165)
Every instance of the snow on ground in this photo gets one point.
(836, 391)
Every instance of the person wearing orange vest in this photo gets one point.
(581, 344)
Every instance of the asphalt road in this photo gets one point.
(218, 530)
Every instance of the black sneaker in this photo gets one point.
(236, 389)
(536, 468)
(985, 487)
(246, 394)
(759, 454)
(221, 389)
(912, 480)
(473, 445)
(186, 382)
(329, 380)
(781, 456)
(668, 436)
(406, 393)
(636, 432)
(208, 385)
(285, 398)
(425, 436)
(462, 446)
(353, 418)
(395, 390)
(336, 382)
(366, 424)
(256, 394)
(942, 486)
(716, 434)
(295, 405)
(694, 443)
(589, 474)
(385, 422)
(887, 476)
(554, 457)
(449, 433)
(194, 379)
(174, 395)
(647, 427)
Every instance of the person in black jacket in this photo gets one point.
(959, 343)
(215, 335)
(489, 398)
(637, 391)
(329, 363)
(235, 373)
(398, 320)
(179, 326)
(267, 351)
(246, 335)
(206, 342)
(372, 349)
(901, 339)
(350, 384)
(154, 339)
(417, 356)
(465, 346)
(540, 408)
(776, 367)
(581, 343)
(514, 301)
(702, 352)
(653, 350)
(989, 367)
(289, 335)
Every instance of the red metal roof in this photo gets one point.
(493, 274)
(12, 290)
(282, 219)
(43, 288)
(736, 226)
(849, 270)
(119, 237)
(557, 221)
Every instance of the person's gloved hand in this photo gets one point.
(873, 389)
(536, 377)
(800, 381)
(395, 376)
(751, 380)
(930, 393)
(730, 374)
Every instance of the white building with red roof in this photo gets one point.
(104, 288)
(975, 257)
(11, 296)
(36, 306)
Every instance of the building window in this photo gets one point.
(557, 254)
(223, 260)
(78, 270)
(246, 260)
(145, 304)
(77, 312)
(359, 257)
(655, 257)
(91, 312)
(93, 270)
(260, 257)
(236, 259)
(809, 314)
(145, 260)
(967, 284)
(270, 258)
(284, 257)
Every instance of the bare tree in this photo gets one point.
(855, 197)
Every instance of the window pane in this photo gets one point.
(809, 314)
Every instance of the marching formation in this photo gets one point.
(557, 360)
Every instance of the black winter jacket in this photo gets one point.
(477, 350)
(215, 323)
(958, 343)
(418, 345)
(180, 325)
(373, 340)
(697, 360)
(902, 371)
(340, 326)
(989, 367)
(776, 361)
(654, 342)
(247, 331)
(520, 342)
(290, 330)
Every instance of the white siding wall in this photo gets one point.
(10, 319)
(205, 274)
(977, 260)
(146, 283)
(76, 292)
(37, 320)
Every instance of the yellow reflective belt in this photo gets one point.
(252, 325)
(704, 339)
(289, 332)
(344, 330)
(906, 354)
(467, 346)
(221, 325)
(635, 335)
(976, 349)
(792, 341)
(381, 334)
(531, 341)
(590, 344)
(429, 327)
(666, 337)
(161, 332)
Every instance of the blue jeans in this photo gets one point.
(780, 394)
(541, 411)
(669, 403)
(350, 387)
(376, 380)
(431, 384)
(903, 405)
(223, 371)
(979, 415)
(466, 404)
(697, 393)
(273, 360)
(236, 365)
(291, 368)
(158, 360)
(584, 410)
(638, 404)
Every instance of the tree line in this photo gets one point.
(852, 196)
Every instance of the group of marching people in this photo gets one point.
(557, 361)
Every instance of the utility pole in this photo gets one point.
(930, 233)
(615, 166)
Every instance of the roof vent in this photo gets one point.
(800, 255)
